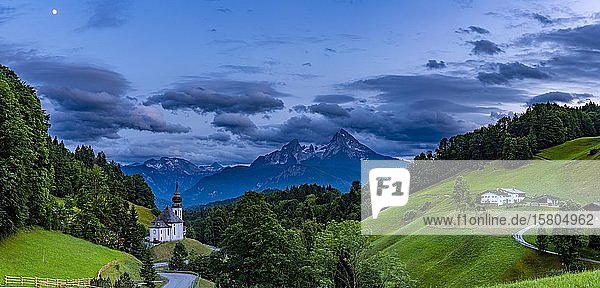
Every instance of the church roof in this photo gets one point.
(165, 218)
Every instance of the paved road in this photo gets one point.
(519, 238)
(178, 280)
(161, 264)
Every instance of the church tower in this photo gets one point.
(177, 208)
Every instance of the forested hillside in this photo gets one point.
(292, 207)
(519, 137)
(304, 236)
(44, 184)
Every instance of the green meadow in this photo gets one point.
(42, 253)
(472, 261)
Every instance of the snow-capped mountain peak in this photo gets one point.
(342, 144)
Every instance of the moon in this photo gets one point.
(54, 11)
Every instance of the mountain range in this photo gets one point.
(336, 163)
(162, 174)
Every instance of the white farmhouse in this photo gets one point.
(545, 201)
(502, 196)
(168, 226)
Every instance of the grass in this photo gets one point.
(577, 149)
(466, 261)
(471, 261)
(203, 283)
(145, 215)
(584, 279)
(163, 251)
(51, 254)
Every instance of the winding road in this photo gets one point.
(519, 238)
(178, 280)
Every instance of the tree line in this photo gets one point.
(305, 236)
(519, 137)
(43, 183)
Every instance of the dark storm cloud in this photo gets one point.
(309, 129)
(108, 14)
(556, 96)
(509, 71)
(83, 76)
(473, 29)
(578, 51)
(334, 98)
(449, 107)
(582, 37)
(485, 47)
(434, 64)
(220, 96)
(84, 115)
(235, 123)
(418, 109)
(221, 137)
(541, 18)
(326, 109)
(87, 102)
(400, 88)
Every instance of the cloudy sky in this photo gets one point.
(227, 81)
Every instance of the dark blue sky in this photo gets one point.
(229, 80)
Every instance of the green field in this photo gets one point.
(580, 280)
(462, 261)
(51, 254)
(577, 149)
(470, 261)
(163, 251)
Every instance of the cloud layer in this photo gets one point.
(87, 102)
(220, 96)
(509, 71)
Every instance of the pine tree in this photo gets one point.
(147, 272)
(179, 257)
(124, 281)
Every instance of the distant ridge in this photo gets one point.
(161, 174)
(336, 163)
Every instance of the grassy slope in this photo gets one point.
(145, 215)
(43, 253)
(163, 251)
(469, 261)
(585, 279)
(577, 149)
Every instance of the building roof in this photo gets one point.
(545, 197)
(594, 206)
(512, 190)
(165, 219)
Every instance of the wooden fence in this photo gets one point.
(20, 281)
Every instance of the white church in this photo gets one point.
(168, 226)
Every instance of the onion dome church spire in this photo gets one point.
(176, 196)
